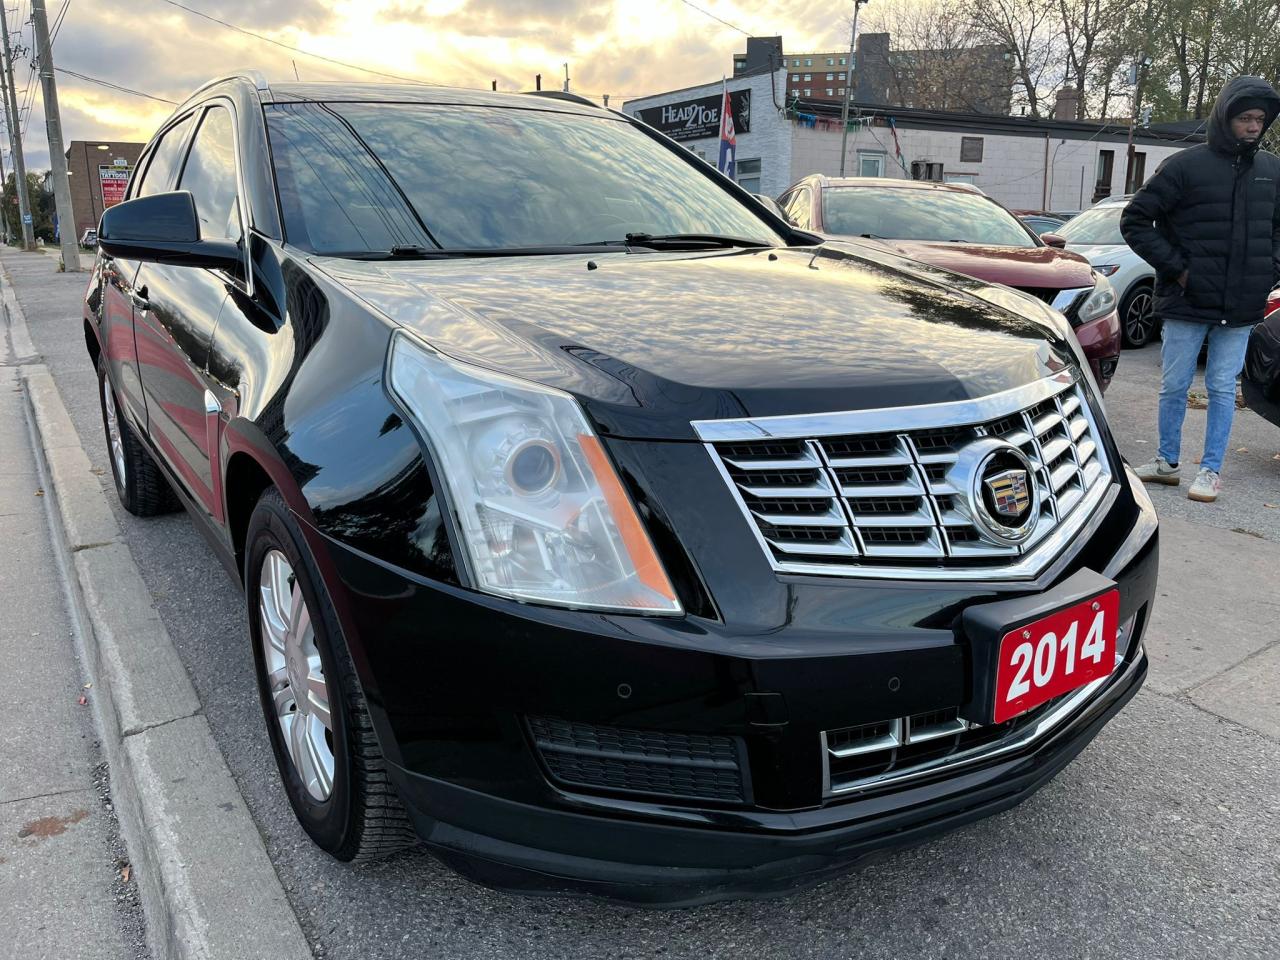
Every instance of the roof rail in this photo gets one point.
(259, 81)
(562, 95)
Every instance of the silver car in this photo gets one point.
(1095, 234)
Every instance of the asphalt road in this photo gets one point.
(1162, 840)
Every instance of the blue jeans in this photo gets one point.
(1179, 349)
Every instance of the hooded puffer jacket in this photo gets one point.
(1214, 211)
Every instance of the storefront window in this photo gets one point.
(749, 175)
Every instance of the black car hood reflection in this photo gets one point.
(651, 341)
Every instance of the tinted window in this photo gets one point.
(363, 177)
(799, 208)
(1099, 225)
(896, 213)
(210, 175)
(164, 161)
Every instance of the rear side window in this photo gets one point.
(798, 208)
(210, 175)
(164, 160)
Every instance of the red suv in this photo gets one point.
(956, 227)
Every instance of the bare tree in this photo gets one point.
(937, 58)
(1029, 30)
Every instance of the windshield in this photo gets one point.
(898, 213)
(1099, 225)
(364, 178)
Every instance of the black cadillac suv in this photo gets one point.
(596, 527)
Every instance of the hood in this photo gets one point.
(1097, 253)
(1219, 133)
(650, 341)
(1046, 268)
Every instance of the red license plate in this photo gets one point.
(1056, 654)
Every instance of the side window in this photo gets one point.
(164, 161)
(210, 175)
(798, 208)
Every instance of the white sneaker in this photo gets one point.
(1207, 486)
(1159, 471)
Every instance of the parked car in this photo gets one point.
(1260, 383)
(1042, 225)
(596, 527)
(1095, 234)
(956, 227)
(1041, 221)
(89, 238)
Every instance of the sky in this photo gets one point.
(625, 48)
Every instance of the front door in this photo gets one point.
(176, 311)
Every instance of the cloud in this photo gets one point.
(626, 48)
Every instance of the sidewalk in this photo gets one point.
(62, 864)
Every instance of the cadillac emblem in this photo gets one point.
(998, 490)
(1010, 493)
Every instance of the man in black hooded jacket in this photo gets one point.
(1209, 223)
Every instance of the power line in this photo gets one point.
(113, 86)
(708, 13)
(57, 23)
(307, 53)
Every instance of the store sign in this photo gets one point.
(698, 119)
(114, 180)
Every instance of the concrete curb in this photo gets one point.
(207, 886)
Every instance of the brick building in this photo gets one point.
(973, 79)
(99, 171)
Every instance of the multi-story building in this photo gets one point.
(973, 79)
(99, 172)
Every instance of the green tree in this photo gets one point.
(41, 209)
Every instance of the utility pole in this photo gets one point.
(1136, 71)
(15, 139)
(566, 78)
(848, 83)
(53, 124)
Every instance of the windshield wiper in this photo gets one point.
(409, 251)
(686, 241)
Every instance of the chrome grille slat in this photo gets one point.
(852, 499)
(747, 466)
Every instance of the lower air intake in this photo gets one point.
(651, 762)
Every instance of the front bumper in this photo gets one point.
(453, 678)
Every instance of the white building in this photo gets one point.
(1025, 164)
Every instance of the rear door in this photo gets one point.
(176, 310)
(156, 175)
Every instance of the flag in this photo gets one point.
(728, 139)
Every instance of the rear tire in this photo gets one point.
(1138, 322)
(328, 756)
(141, 485)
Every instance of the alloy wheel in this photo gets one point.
(1139, 318)
(295, 675)
(113, 431)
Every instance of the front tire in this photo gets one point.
(325, 748)
(1138, 323)
(142, 487)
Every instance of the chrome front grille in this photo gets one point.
(879, 498)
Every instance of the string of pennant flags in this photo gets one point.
(853, 125)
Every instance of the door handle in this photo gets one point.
(140, 301)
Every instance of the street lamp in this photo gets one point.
(848, 83)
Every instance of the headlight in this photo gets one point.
(1107, 269)
(1098, 303)
(541, 510)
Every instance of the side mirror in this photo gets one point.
(163, 228)
(1054, 240)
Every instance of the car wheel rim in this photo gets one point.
(295, 675)
(1138, 320)
(113, 431)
